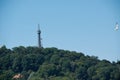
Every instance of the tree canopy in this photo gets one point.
(35, 63)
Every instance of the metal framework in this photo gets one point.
(39, 37)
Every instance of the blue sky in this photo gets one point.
(77, 25)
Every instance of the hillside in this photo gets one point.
(32, 63)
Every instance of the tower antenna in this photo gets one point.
(39, 37)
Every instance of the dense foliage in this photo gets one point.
(54, 64)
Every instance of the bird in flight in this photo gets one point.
(116, 27)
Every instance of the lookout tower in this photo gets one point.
(39, 37)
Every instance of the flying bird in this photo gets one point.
(116, 27)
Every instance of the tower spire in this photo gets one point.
(39, 37)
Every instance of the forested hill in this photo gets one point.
(32, 63)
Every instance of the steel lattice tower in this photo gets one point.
(39, 37)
